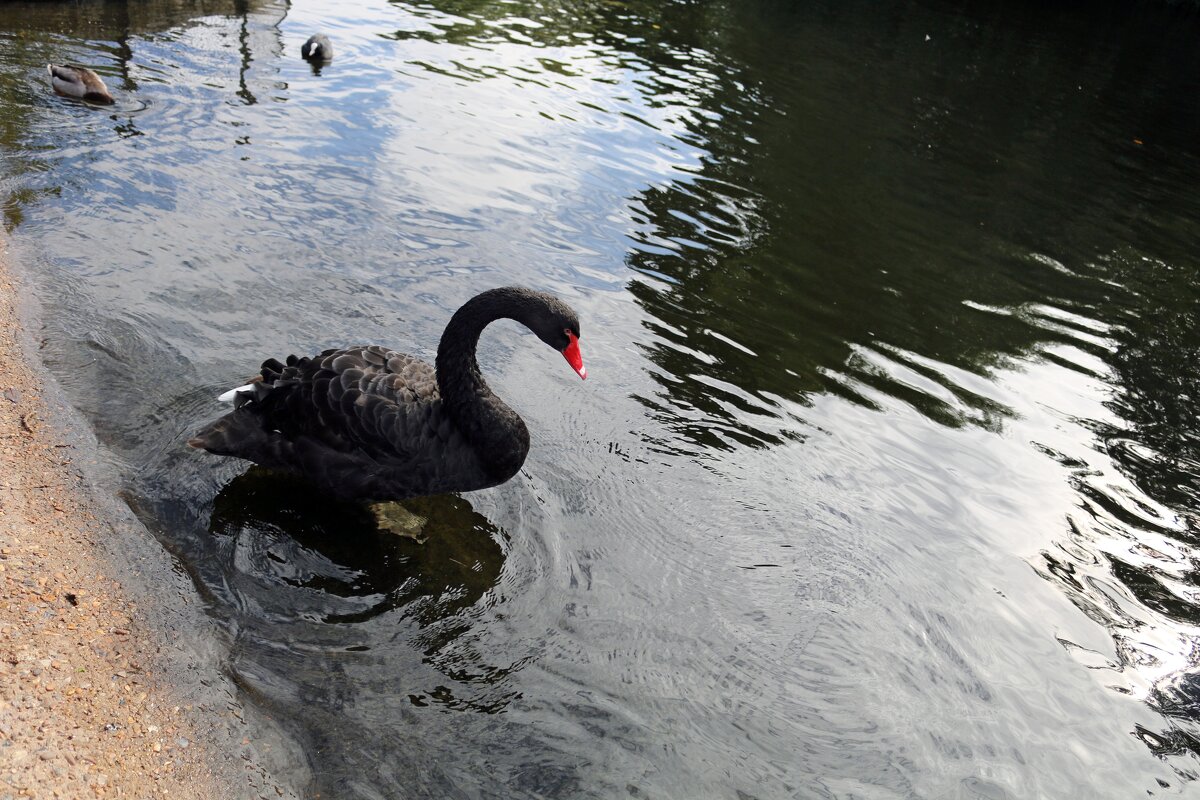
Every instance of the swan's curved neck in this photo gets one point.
(498, 433)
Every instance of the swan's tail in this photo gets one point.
(227, 397)
(255, 390)
(238, 433)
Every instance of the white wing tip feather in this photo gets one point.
(227, 397)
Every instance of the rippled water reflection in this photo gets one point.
(275, 535)
(884, 480)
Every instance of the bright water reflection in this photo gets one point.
(884, 483)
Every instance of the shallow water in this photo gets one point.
(883, 482)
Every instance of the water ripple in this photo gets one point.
(870, 333)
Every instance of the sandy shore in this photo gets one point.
(96, 697)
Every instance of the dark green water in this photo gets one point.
(884, 483)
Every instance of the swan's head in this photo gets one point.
(558, 326)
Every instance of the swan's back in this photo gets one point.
(363, 422)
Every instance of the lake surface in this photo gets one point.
(885, 479)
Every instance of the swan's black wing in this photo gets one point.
(363, 422)
(371, 399)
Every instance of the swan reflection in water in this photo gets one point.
(292, 553)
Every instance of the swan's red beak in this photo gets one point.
(573, 356)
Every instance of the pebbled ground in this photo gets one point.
(97, 697)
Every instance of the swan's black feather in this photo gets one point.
(360, 422)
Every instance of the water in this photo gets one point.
(884, 480)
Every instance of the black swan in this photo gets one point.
(367, 423)
(317, 48)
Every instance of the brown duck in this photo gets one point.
(78, 82)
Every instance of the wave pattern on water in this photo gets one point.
(870, 332)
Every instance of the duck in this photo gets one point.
(78, 82)
(317, 48)
(371, 424)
